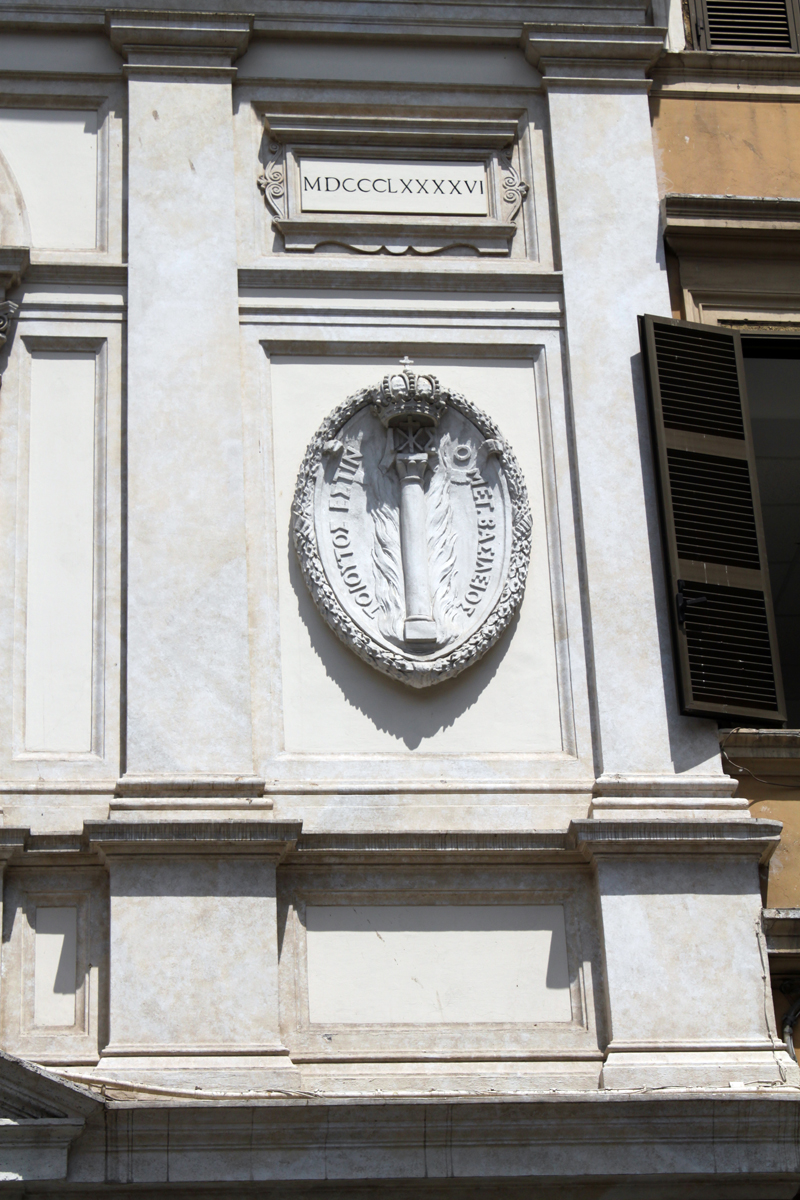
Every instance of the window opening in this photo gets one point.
(772, 369)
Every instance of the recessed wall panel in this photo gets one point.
(55, 966)
(508, 702)
(60, 554)
(53, 154)
(437, 964)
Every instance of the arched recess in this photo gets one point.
(15, 228)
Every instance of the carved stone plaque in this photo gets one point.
(412, 526)
(344, 185)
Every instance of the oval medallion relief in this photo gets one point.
(412, 526)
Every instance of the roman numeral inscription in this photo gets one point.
(350, 186)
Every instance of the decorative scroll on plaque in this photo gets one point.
(412, 526)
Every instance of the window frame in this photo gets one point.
(698, 12)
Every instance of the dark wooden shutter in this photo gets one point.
(767, 25)
(723, 627)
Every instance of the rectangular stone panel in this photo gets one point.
(53, 155)
(508, 702)
(59, 607)
(55, 965)
(437, 964)
(353, 185)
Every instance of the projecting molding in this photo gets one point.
(267, 838)
(748, 836)
(40, 1117)
(178, 43)
(413, 528)
(749, 226)
(592, 56)
(450, 164)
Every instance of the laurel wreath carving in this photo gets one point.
(417, 673)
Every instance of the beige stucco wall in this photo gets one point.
(783, 890)
(718, 147)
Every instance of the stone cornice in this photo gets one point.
(12, 841)
(190, 785)
(782, 930)
(40, 1117)
(762, 743)
(585, 840)
(14, 262)
(477, 22)
(431, 1143)
(592, 56)
(453, 847)
(733, 75)
(601, 838)
(178, 43)
(687, 784)
(263, 838)
(28, 1092)
(440, 276)
(710, 226)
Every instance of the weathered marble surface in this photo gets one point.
(228, 695)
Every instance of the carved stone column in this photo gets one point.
(419, 625)
(188, 675)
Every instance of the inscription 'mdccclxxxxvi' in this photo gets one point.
(351, 186)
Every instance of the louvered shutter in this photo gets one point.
(767, 25)
(723, 627)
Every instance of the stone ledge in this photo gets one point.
(190, 785)
(157, 32)
(736, 1144)
(686, 785)
(762, 743)
(749, 836)
(382, 275)
(14, 262)
(592, 56)
(782, 930)
(713, 226)
(191, 837)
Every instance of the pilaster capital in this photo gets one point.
(593, 57)
(14, 262)
(752, 837)
(268, 839)
(12, 841)
(178, 43)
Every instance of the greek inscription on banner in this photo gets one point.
(351, 186)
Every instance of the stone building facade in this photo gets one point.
(364, 822)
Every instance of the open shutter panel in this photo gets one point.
(723, 627)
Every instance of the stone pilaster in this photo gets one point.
(188, 672)
(685, 958)
(650, 757)
(194, 953)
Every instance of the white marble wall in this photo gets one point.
(218, 692)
